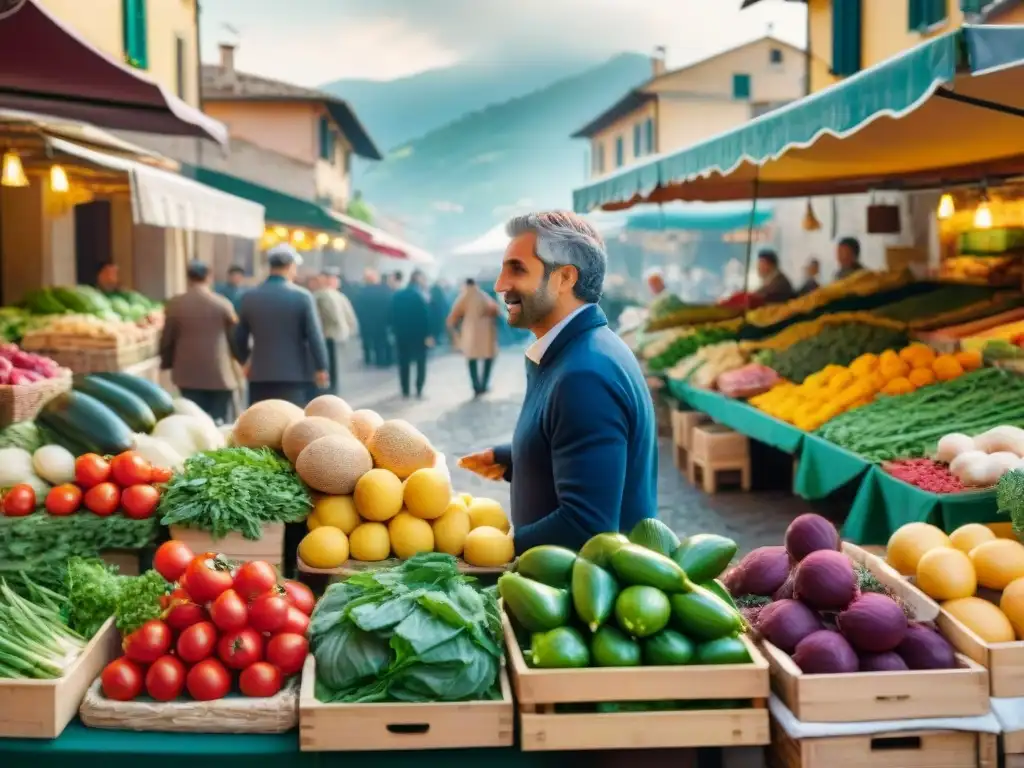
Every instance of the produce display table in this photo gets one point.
(825, 468)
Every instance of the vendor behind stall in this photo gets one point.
(848, 256)
(108, 279)
(811, 271)
(775, 286)
(584, 457)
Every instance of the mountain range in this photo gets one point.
(470, 145)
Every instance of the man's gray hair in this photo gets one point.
(565, 239)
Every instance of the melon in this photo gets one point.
(325, 547)
(451, 529)
(488, 512)
(488, 547)
(378, 495)
(336, 511)
(1011, 603)
(909, 543)
(398, 446)
(262, 425)
(427, 493)
(364, 423)
(967, 537)
(333, 464)
(981, 617)
(330, 407)
(304, 431)
(410, 535)
(370, 542)
(998, 562)
(946, 574)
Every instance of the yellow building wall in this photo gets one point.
(100, 23)
(684, 123)
(622, 127)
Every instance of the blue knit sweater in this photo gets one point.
(584, 456)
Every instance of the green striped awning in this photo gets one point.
(944, 111)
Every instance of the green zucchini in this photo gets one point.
(87, 422)
(132, 409)
(156, 397)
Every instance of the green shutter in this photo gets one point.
(134, 33)
(620, 152)
(922, 14)
(741, 86)
(638, 147)
(846, 37)
(649, 130)
(326, 140)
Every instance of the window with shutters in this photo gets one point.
(597, 159)
(620, 152)
(133, 31)
(741, 86)
(775, 56)
(649, 135)
(846, 37)
(179, 66)
(922, 14)
(326, 140)
(638, 140)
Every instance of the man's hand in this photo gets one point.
(429, 342)
(323, 379)
(247, 369)
(483, 464)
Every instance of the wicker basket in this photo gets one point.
(22, 402)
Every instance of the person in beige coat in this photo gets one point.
(474, 327)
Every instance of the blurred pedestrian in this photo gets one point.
(233, 289)
(195, 344)
(474, 322)
(279, 338)
(410, 321)
(336, 317)
(439, 308)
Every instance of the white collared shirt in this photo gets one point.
(535, 352)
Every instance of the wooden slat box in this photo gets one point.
(234, 546)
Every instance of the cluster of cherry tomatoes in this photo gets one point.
(126, 482)
(219, 622)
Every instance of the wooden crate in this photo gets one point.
(899, 749)
(234, 546)
(542, 729)
(41, 709)
(390, 727)
(1013, 749)
(126, 560)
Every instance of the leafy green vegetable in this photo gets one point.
(418, 632)
(138, 601)
(1010, 498)
(235, 490)
(34, 641)
(92, 588)
(24, 434)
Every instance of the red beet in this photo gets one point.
(810, 533)
(826, 581)
(924, 648)
(786, 622)
(873, 623)
(882, 662)
(761, 572)
(825, 653)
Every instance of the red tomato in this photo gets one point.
(287, 652)
(208, 680)
(207, 577)
(91, 470)
(121, 680)
(165, 679)
(129, 468)
(197, 642)
(148, 643)
(296, 623)
(228, 611)
(103, 499)
(63, 500)
(183, 614)
(268, 613)
(171, 559)
(139, 501)
(241, 648)
(255, 578)
(261, 680)
(300, 596)
(161, 475)
(20, 501)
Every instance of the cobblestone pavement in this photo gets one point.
(458, 424)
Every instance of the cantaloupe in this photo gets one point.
(370, 542)
(301, 433)
(378, 495)
(945, 573)
(981, 617)
(325, 547)
(451, 528)
(998, 563)
(488, 512)
(410, 535)
(427, 493)
(330, 407)
(1011, 603)
(398, 446)
(488, 547)
(364, 423)
(337, 512)
(333, 464)
(909, 542)
(262, 425)
(967, 537)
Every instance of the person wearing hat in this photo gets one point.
(195, 344)
(279, 336)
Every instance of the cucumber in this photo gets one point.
(704, 616)
(132, 409)
(634, 564)
(87, 422)
(705, 556)
(654, 535)
(668, 648)
(600, 548)
(547, 564)
(593, 593)
(610, 648)
(716, 587)
(537, 607)
(642, 611)
(155, 396)
(725, 650)
(560, 648)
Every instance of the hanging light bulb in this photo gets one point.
(298, 236)
(339, 244)
(811, 223)
(983, 216)
(322, 239)
(59, 179)
(12, 173)
(281, 232)
(946, 206)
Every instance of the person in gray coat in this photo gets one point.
(279, 338)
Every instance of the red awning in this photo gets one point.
(46, 67)
(381, 242)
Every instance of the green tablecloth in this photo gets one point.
(884, 503)
(824, 468)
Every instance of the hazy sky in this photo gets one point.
(314, 41)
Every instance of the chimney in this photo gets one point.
(227, 57)
(658, 61)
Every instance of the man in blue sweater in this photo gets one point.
(584, 456)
